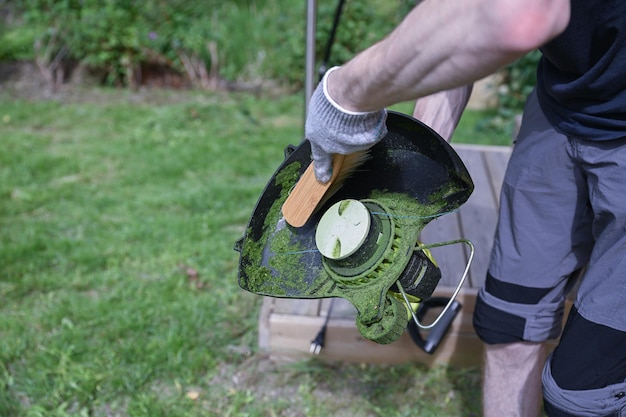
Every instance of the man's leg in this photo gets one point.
(586, 374)
(512, 379)
(543, 235)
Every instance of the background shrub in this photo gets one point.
(209, 42)
(520, 79)
(232, 40)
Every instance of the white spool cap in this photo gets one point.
(342, 229)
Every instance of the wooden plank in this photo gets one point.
(264, 323)
(497, 161)
(338, 308)
(478, 214)
(292, 337)
(294, 307)
(450, 259)
(298, 307)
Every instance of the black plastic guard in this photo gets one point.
(412, 159)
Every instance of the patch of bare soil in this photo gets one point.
(293, 388)
(25, 80)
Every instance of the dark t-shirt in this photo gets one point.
(581, 77)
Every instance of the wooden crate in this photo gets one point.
(287, 335)
(287, 326)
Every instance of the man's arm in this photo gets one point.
(442, 111)
(444, 44)
(441, 45)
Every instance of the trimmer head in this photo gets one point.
(362, 244)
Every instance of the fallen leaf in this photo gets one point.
(193, 395)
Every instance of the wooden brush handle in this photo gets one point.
(307, 194)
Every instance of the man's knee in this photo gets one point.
(510, 313)
(608, 401)
(586, 374)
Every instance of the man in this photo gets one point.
(563, 204)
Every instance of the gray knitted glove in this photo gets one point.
(332, 129)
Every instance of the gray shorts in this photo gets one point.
(562, 208)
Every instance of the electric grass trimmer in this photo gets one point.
(362, 243)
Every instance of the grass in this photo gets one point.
(118, 278)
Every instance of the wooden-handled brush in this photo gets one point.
(308, 193)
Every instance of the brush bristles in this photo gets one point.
(351, 163)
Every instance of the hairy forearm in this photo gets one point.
(442, 111)
(444, 44)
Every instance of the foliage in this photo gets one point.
(361, 24)
(262, 39)
(213, 42)
(520, 80)
(208, 41)
(17, 44)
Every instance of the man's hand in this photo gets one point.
(332, 129)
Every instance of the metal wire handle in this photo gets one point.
(456, 291)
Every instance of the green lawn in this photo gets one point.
(118, 278)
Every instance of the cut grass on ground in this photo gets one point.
(118, 278)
